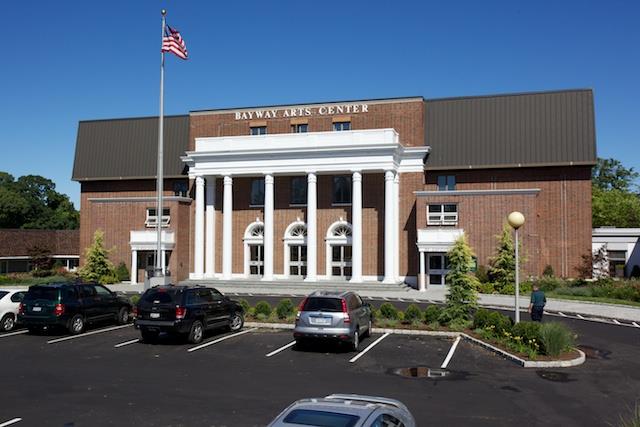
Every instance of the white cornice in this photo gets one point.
(505, 191)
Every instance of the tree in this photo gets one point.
(40, 257)
(600, 263)
(609, 174)
(97, 267)
(502, 268)
(462, 297)
(615, 208)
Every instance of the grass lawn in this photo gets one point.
(592, 299)
(6, 281)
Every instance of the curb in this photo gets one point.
(522, 362)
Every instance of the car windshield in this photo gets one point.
(323, 304)
(307, 417)
(3, 293)
(41, 292)
(163, 296)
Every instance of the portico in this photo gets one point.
(351, 155)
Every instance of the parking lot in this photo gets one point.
(108, 377)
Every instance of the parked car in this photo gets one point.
(185, 310)
(339, 316)
(9, 304)
(346, 410)
(71, 306)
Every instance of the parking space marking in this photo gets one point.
(12, 421)
(635, 324)
(450, 354)
(122, 344)
(284, 347)
(14, 333)
(369, 347)
(616, 321)
(207, 344)
(562, 314)
(580, 316)
(98, 331)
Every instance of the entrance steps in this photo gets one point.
(299, 285)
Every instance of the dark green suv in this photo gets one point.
(71, 306)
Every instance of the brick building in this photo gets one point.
(373, 190)
(18, 246)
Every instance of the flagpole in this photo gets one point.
(159, 184)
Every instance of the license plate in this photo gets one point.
(154, 315)
(320, 320)
(36, 309)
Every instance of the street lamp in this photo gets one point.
(516, 220)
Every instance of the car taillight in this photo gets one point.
(346, 318)
(58, 310)
(301, 307)
(21, 308)
(181, 312)
(135, 312)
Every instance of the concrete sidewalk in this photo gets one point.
(590, 309)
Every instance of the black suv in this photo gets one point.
(186, 310)
(71, 306)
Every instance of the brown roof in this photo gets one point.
(16, 242)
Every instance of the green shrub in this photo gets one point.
(492, 321)
(244, 304)
(413, 314)
(548, 271)
(262, 317)
(432, 313)
(528, 334)
(482, 274)
(548, 283)
(122, 273)
(486, 288)
(263, 308)
(510, 289)
(388, 311)
(284, 309)
(555, 338)
(42, 273)
(460, 325)
(134, 299)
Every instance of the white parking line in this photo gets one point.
(369, 347)
(450, 354)
(562, 314)
(580, 316)
(99, 331)
(13, 421)
(14, 333)
(284, 347)
(616, 321)
(635, 324)
(122, 344)
(207, 344)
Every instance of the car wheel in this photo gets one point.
(196, 333)
(123, 316)
(76, 325)
(8, 322)
(367, 334)
(148, 336)
(355, 342)
(237, 322)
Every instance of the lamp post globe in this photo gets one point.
(515, 219)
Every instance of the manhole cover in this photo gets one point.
(595, 353)
(421, 372)
(558, 377)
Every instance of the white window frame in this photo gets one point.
(151, 220)
(291, 240)
(251, 238)
(331, 240)
(442, 217)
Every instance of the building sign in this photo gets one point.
(323, 110)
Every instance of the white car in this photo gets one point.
(10, 300)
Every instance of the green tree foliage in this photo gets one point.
(609, 174)
(97, 267)
(122, 272)
(31, 201)
(502, 270)
(615, 208)
(462, 297)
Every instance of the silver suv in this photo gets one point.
(349, 410)
(341, 316)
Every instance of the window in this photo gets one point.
(17, 297)
(617, 262)
(258, 130)
(445, 214)
(341, 189)
(308, 417)
(298, 190)
(387, 420)
(446, 182)
(152, 218)
(342, 126)
(257, 192)
(180, 189)
(103, 292)
(300, 128)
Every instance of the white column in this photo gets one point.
(356, 222)
(389, 228)
(396, 227)
(312, 228)
(268, 227)
(198, 252)
(421, 282)
(163, 259)
(227, 227)
(134, 267)
(210, 227)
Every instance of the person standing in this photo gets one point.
(536, 306)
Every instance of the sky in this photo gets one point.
(68, 61)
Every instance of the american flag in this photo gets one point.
(172, 42)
